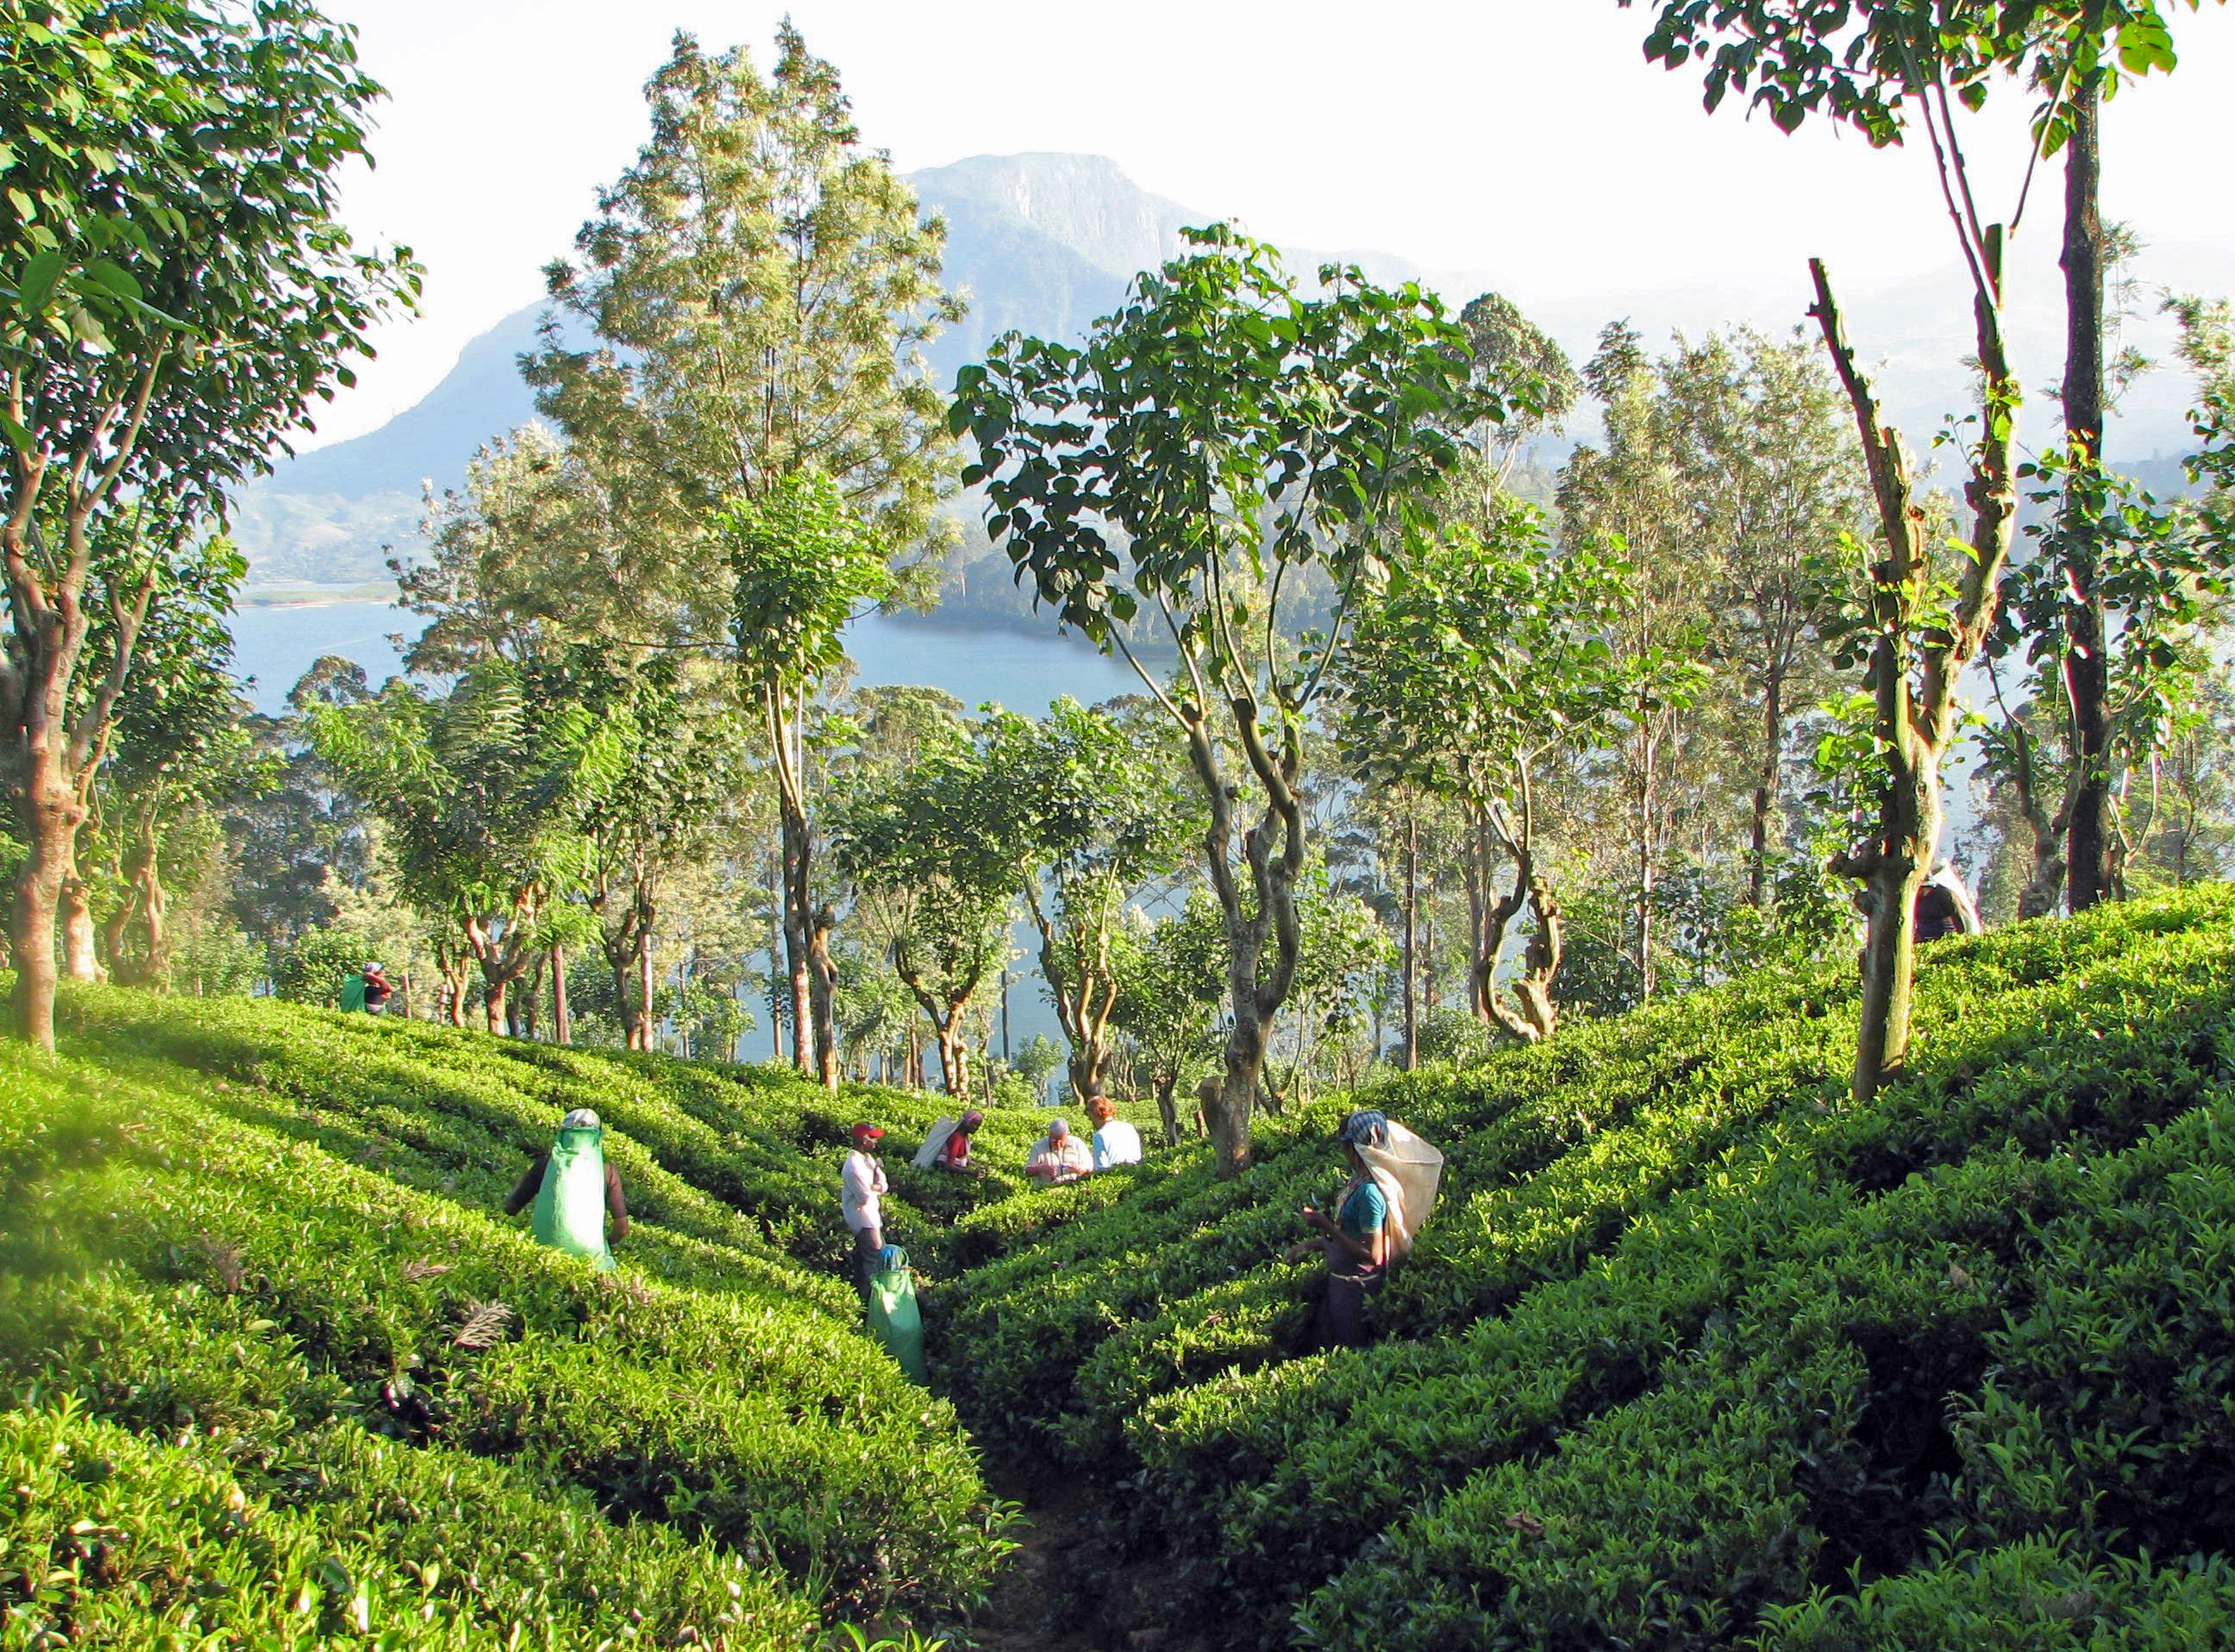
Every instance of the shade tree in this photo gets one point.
(176, 292)
(1097, 799)
(1485, 660)
(1229, 433)
(756, 289)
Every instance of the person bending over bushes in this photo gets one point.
(574, 1188)
(1391, 1190)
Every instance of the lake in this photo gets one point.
(276, 646)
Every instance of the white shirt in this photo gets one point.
(1116, 1143)
(859, 1183)
(1070, 1161)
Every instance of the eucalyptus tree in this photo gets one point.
(758, 287)
(175, 293)
(1769, 483)
(1098, 803)
(934, 839)
(1486, 658)
(801, 563)
(1504, 344)
(1232, 434)
(1622, 496)
(1919, 621)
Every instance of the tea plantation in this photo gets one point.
(285, 1373)
(1694, 1354)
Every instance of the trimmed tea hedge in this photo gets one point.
(176, 1271)
(743, 1157)
(1694, 1349)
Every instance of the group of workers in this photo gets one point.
(573, 1188)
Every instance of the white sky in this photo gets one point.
(1526, 140)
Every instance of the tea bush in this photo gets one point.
(178, 1271)
(1694, 1350)
(740, 1157)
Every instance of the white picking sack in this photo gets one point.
(940, 1130)
(1407, 1170)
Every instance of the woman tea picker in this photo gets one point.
(1391, 1190)
(575, 1188)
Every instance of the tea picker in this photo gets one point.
(574, 1188)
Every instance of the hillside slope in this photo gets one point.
(1694, 1353)
(283, 1373)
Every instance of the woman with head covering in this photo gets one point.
(1393, 1185)
(574, 1188)
(954, 1152)
(860, 1183)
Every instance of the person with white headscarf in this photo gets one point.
(574, 1188)
(1379, 1212)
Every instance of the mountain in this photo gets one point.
(1044, 243)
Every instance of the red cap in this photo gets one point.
(866, 1133)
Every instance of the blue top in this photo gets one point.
(1364, 1211)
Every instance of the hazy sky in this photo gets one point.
(1529, 141)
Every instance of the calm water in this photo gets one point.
(277, 645)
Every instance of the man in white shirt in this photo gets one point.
(1115, 1142)
(859, 1185)
(1059, 1156)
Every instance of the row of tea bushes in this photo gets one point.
(2064, 1309)
(197, 1279)
(110, 1537)
(1676, 1349)
(1304, 1463)
(743, 1157)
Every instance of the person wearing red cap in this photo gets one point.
(859, 1185)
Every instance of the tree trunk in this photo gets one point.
(48, 811)
(821, 982)
(1410, 964)
(155, 909)
(562, 1024)
(81, 941)
(646, 1005)
(1767, 783)
(2087, 672)
(1167, 1083)
(1916, 721)
(1648, 756)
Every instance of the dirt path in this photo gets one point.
(1067, 1590)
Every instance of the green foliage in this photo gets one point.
(312, 969)
(1678, 1347)
(269, 1260)
(803, 563)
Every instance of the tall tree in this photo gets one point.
(1231, 432)
(1770, 483)
(759, 286)
(1874, 68)
(175, 292)
(1622, 497)
(802, 563)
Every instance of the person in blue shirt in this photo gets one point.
(1355, 1241)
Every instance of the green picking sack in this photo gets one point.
(892, 1312)
(570, 1206)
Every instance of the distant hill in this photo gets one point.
(1043, 243)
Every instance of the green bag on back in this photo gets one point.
(892, 1312)
(353, 994)
(570, 1206)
